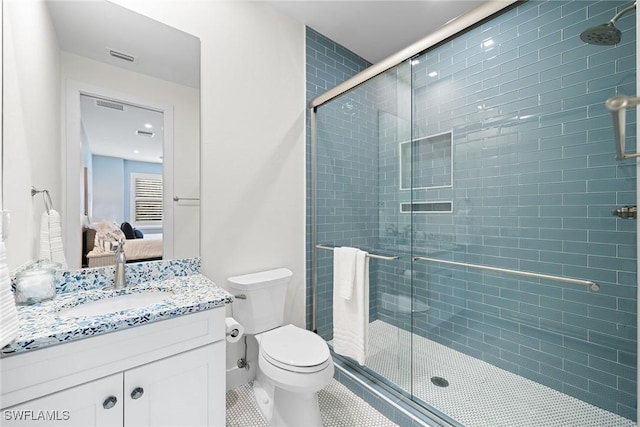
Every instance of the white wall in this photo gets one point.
(31, 120)
(108, 188)
(253, 147)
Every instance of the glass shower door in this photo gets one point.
(514, 171)
(357, 205)
(390, 324)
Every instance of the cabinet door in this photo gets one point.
(97, 403)
(183, 390)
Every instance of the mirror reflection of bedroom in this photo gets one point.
(122, 173)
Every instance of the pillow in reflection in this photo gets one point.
(127, 229)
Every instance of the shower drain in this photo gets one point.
(439, 381)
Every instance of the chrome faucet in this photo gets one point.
(121, 260)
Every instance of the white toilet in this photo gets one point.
(293, 363)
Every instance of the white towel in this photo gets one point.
(351, 317)
(8, 312)
(51, 238)
(344, 270)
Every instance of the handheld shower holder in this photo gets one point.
(617, 105)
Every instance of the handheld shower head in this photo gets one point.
(605, 34)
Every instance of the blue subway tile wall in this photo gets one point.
(327, 65)
(534, 183)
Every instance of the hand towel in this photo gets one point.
(344, 270)
(351, 316)
(8, 312)
(51, 238)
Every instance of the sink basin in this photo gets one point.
(115, 304)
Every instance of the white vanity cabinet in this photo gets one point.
(79, 406)
(177, 391)
(166, 373)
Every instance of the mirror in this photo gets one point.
(122, 164)
(73, 54)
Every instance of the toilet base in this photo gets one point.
(296, 409)
(282, 408)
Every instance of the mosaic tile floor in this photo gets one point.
(479, 394)
(339, 407)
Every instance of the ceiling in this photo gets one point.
(375, 29)
(94, 28)
(372, 29)
(91, 29)
(121, 130)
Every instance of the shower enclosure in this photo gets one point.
(480, 173)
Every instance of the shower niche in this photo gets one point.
(427, 163)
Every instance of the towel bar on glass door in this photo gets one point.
(388, 258)
(593, 286)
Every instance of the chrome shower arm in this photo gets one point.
(622, 12)
(617, 105)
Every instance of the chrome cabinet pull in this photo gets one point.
(137, 393)
(109, 402)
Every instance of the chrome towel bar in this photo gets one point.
(177, 199)
(388, 258)
(593, 286)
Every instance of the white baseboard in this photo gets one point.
(239, 376)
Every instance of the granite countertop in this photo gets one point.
(188, 291)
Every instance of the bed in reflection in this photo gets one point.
(100, 239)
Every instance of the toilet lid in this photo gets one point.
(293, 347)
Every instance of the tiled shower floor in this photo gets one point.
(339, 407)
(479, 394)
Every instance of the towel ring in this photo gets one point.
(46, 198)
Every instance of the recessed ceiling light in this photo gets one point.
(432, 74)
(136, 151)
(148, 125)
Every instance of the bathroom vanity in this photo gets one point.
(159, 364)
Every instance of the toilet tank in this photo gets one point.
(265, 292)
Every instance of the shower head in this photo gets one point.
(605, 34)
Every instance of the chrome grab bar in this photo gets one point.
(388, 258)
(592, 285)
(617, 105)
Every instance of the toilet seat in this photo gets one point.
(295, 349)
